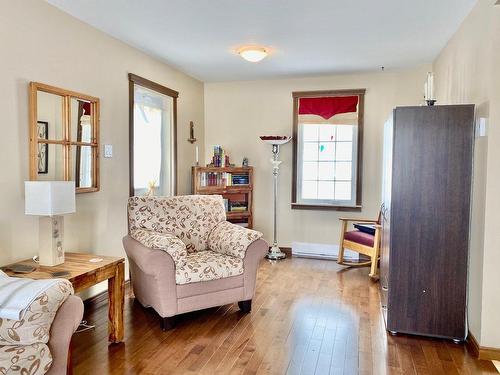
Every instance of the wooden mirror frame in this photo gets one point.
(67, 143)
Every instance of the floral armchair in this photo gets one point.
(185, 256)
(39, 343)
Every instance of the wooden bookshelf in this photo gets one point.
(234, 184)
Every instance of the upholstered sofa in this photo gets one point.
(185, 256)
(40, 342)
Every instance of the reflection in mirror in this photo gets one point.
(50, 162)
(82, 166)
(50, 111)
(81, 120)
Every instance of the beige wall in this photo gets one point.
(41, 43)
(237, 113)
(467, 72)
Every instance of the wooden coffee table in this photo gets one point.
(84, 273)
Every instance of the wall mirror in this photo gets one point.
(64, 136)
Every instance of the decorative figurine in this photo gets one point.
(244, 163)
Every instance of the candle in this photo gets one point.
(431, 89)
(197, 156)
(426, 92)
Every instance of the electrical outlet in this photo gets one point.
(108, 151)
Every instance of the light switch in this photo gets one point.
(108, 151)
(482, 127)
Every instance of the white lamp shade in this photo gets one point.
(49, 198)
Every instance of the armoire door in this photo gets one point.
(430, 209)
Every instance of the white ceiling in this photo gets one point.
(306, 37)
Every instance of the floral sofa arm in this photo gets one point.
(162, 241)
(231, 239)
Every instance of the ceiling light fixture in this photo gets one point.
(253, 54)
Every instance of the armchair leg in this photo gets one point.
(245, 306)
(167, 323)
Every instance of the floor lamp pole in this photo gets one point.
(275, 252)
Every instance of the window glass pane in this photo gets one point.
(344, 132)
(326, 170)
(343, 170)
(327, 133)
(309, 132)
(309, 190)
(310, 151)
(326, 190)
(153, 143)
(343, 191)
(310, 171)
(344, 151)
(327, 151)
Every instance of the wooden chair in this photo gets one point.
(363, 243)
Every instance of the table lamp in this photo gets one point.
(50, 200)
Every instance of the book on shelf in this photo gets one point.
(239, 179)
(215, 179)
(237, 207)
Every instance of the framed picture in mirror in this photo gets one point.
(43, 148)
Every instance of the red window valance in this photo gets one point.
(327, 107)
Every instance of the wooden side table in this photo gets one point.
(83, 272)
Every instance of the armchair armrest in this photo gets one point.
(66, 322)
(162, 241)
(231, 239)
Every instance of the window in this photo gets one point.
(327, 149)
(152, 138)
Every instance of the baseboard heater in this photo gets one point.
(321, 251)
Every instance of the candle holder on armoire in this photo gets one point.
(275, 141)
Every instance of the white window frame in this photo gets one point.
(300, 163)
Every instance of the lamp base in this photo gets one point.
(275, 253)
(50, 235)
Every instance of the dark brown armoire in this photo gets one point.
(426, 194)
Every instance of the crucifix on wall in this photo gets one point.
(191, 138)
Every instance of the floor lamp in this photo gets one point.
(275, 141)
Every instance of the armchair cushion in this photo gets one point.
(231, 239)
(360, 237)
(189, 217)
(162, 241)
(38, 317)
(34, 359)
(208, 265)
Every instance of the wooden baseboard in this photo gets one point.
(482, 352)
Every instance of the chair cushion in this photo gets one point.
(208, 265)
(38, 317)
(189, 217)
(231, 239)
(162, 241)
(34, 359)
(360, 237)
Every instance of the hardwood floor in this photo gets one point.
(308, 317)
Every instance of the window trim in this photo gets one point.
(140, 81)
(359, 167)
